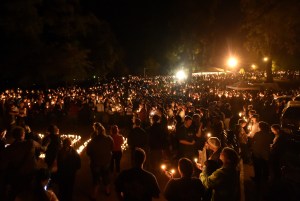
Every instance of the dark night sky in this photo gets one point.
(142, 27)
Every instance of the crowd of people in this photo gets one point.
(199, 123)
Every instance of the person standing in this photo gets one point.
(53, 143)
(99, 151)
(137, 184)
(68, 163)
(117, 150)
(157, 143)
(224, 182)
(137, 138)
(277, 152)
(18, 163)
(186, 187)
(186, 138)
(261, 152)
(242, 139)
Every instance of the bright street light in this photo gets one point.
(180, 75)
(232, 62)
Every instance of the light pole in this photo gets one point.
(268, 67)
(145, 71)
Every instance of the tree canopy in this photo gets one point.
(271, 29)
(53, 41)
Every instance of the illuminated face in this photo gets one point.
(188, 123)
(222, 157)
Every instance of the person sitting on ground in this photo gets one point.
(186, 187)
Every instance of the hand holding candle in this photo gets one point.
(169, 173)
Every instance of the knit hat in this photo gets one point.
(214, 141)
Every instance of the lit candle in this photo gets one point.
(163, 167)
(196, 160)
(172, 172)
(208, 134)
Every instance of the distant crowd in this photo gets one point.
(198, 123)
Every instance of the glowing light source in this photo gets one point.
(265, 59)
(180, 75)
(82, 147)
(232, 62)
(124, 146)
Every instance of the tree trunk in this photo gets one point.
(269, 71)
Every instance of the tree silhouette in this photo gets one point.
(53, 41)
(271, 29)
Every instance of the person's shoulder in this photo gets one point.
(149, 174)
(109, 138)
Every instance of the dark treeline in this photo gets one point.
(62, 42)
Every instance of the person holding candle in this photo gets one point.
(186, 187)
(157, 142)
(224, 182)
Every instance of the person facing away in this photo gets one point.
(99, 151)
(157, 142)
(137, 184)
(186, 187)
(224, 182)
(53, 143)
(261, 152)
(137, 138)
(38, 191)
(117, 150)
(68, 163)
(19, 162)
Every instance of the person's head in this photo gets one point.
(114, 130)
(18, 133)
(67, 142)
(185, 167)
(53, 129)
(264, 126)
(229, 157)
(255, 118)
(99, 128)
(251, 113)
(250, 107)
(188, 121)
(213, 143)
(196, 118)
(275, 128)
(137, 122)
(139, 157)
(155, 118)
